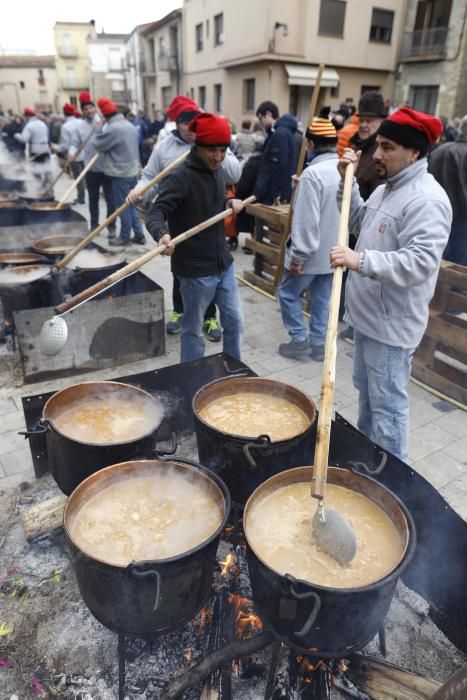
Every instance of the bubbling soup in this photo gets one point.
(279, 529)
(250, 413)
(152, 516)
(110, 418)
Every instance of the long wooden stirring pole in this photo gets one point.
(330, 353)
(299, 170)
(90, 237)
(76, 182)
(142, 260)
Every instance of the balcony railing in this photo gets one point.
(425, 43)
(74, 84)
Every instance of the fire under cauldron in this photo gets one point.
(147, 598)
(332, 622)
(72, 460)
(245, 462)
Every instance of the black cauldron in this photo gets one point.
(147, 598)
(245, 462)
(331, 622)
(70, 460)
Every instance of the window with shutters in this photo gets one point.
(332, 17)
(381, 25)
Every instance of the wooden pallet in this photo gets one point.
(268, 239)
(441, 358)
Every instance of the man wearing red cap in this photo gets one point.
(64, 147)
(192, 193)
(182, 110)
(117, 140)
(95, 177)
(36, 135)
(402, 230)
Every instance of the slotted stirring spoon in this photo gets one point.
(54, 332)
(331, 531)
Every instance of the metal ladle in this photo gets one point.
(54, 332)
(331, 531)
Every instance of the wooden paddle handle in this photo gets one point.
(76, 182)
(299, 170)
(323, 435)
(142, 260)
(69, 256)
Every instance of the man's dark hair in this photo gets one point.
(268, 106)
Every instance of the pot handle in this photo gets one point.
(290, 590)
(262, 442)
(362, 468)
(157, 454)
(147, 573)
(240, 372)
(39, 429)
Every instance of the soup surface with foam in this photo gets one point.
(153, 516)
(279, 528)
(109, 419)
(252, 413)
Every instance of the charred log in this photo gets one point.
(201, 671)
(379, 678)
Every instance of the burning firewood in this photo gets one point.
(384, 681)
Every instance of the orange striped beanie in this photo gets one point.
(321, 131)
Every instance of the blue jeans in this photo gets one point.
(381, 374)
(197, 293)
(129, 218)
(319, 288)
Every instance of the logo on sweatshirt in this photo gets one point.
(383, 225)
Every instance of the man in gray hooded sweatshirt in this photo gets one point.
(402, 230)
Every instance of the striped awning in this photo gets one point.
(300, 74)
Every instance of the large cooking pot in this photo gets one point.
(46, 206)
(71, 460)
(91, 266)
(56, 245)
(21, 258)
(28, 287)
(332, 622)
(242, 461)
(147, 598)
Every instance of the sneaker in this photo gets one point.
(232, 243)
(122, 242)
(140, 240)
(212, 330)
(347, 334)
(112, 234)
(317, 352)
(174, 325)
(295, 350)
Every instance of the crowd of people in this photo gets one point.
(408, 209)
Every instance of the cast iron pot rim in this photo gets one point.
(49, 421)
(40, 259)
(19, 283)
(403, 562)
(48, 206)
(253, 438)
(169, 560)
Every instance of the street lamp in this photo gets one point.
(285, 31)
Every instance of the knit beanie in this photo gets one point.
(210, 130)
(107, 107)
(182, 109)
(28, 112)
(412, 129)
(322, 132)
(372, 105)
(85, 99)
(68, 110)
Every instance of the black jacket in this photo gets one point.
(191, 194)
(278, 162)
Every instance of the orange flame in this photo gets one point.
(246, 620)
(226, 564)
(205, 617)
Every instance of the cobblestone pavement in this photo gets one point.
(438, 429)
